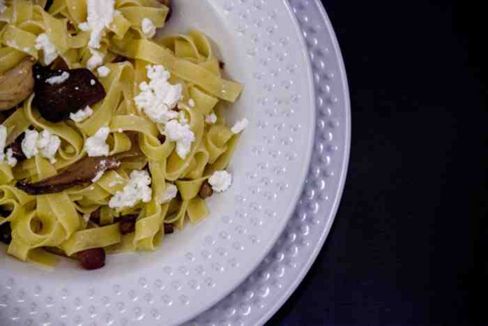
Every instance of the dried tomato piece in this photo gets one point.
(168, 228)
(206, 190)
(55, 101)
(91, 258)
(127, 224)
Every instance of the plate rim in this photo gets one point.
(266, 312)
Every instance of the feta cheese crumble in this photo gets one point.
(158, 97)
(182, 135)
(81, 115)
(103, 71)
(55, 80)
(100, 14)
(95, 60)
(136, 190)
(43, 143)
(211, 119)
(8, 157)
(96, 145)
(43, 43)
(191, 103)
(170, 193)
(220, 181)
(148, 28)
(3, 141)
(2, 6)
(239, 126)
(11, 160)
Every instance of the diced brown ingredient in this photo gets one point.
(81, 172)
(91, 259)
(168, 228)
(5, 233)
(127, 224)
(55, 102)
(162, 139)
(221, 64)
(95, 216)
(16, 84)
(206, 190)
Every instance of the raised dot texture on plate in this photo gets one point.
(277, 61)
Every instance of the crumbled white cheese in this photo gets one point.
(3, 141)
(48, 145)
(137, 189)
(211, 119)
(220, 181)
(55, 80)
(11, 160)
(81, 115)
(43, 143)
(158, 97)
(95, 60)
(170, 193)
(182, 135)
(43, 43)
(191, 103)
(148, 28)
(239, 126)
(84, 27)
(98, 176)
(103, 71)
(100, 14)
(29, 143)
(96, 145)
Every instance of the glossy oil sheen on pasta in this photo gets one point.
(191, 62)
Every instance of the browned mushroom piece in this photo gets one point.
(127, 224)
(16, 84)
(55, 100)
(81, 172)
(205, 190)
(91, 259)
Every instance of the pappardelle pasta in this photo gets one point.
(111, 136)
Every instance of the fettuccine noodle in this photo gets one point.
(59, 222)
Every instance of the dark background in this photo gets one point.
(409, 245)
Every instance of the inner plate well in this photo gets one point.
(261, 46)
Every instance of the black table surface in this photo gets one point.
(409, 244)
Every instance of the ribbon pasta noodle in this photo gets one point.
(84, 216)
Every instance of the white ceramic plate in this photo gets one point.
(270, 285)
(262, 47)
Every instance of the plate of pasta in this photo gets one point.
(151, 153)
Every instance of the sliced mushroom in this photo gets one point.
(16, 84)
(56, 100)
(81, 172)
